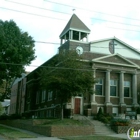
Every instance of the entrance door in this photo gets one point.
(77, 106)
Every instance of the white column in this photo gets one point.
(107, 87)
(65, 37)
(61, 41)
(71, 34)
(87, 38)
(79, 36)
(93, 95)
(134, 89)
(121, 87)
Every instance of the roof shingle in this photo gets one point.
(75, 23)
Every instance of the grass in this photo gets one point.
(13, 134)
(92, 138)
(64, 122)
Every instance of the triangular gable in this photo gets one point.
(117, 40)
(115, 59)
(75, 23)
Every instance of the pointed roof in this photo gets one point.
(76, 24)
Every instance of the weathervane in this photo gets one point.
(73, 10)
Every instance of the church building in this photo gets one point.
(115, 65)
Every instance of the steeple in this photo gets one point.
(75, 30)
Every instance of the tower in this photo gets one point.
(75, 33)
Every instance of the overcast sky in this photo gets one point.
(44, 20)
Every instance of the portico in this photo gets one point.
(118, 86)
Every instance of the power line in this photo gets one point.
(32, 14)
(64, 19)
(123, 29)
(37, 7)
(49, 67)
(70, 14)
(91, 10)
(78, 44)
(47, 42)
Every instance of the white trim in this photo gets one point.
(73, 29)
(130, 47)
(50, 95)
(79, 41)
(110, 63)
(81, 104)
(100, 78)
(130, 96)
(100, 58)
(114, 86)
(116, 69)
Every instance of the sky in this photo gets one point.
(44, 20)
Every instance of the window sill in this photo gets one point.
(100, 95)
(114, 96)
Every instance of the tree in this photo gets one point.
(1, 109)
(70, 76)
(16, 51)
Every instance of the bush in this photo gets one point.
(138, 110)
(120, 122)
(105, 118)
(14, 116)
(67, 113)
(100, 111)
(4, 117)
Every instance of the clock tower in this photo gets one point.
(75, 36)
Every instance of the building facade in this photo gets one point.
(115, 65)
(17, 100)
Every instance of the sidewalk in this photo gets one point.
(122, 136)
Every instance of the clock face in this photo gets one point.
(79, 50)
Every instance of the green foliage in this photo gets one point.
(17, 50)
(105, 118)
(120, 122)
(1, 109)
(12, 134)
(100, 112)
(69, 77)
(138, 110)
(11, 117)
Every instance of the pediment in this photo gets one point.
(115, 59)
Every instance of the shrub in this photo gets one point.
(4, 117)
(138, 110)
(104, 120)
(100, 111)
(14, 116)
(120, 122)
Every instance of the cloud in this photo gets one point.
(100, 16)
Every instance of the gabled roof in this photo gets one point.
(128, 62)
(75, 23)
(130, 47)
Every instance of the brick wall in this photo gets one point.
(51, 131)
(124, 129)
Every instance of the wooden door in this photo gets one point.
(77, 106)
